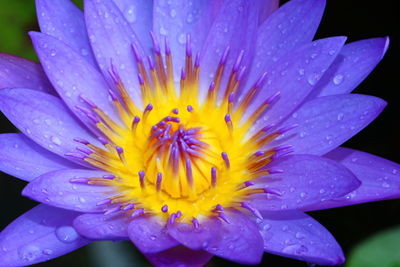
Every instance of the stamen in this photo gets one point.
(252, 209)
(105, 201)
(141, 179)
(213, 176)
(219, 207)
(272, 191)
(228, 122)
(172, 219)
(137, 212)
(164, 208)
(159, 180)
(224, 156)
(189, 174)
(189, 108)
(130, 206)
(195, 223)
(79, 180)
(222, 215)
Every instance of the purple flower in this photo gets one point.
(210, 136)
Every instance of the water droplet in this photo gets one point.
(394, 171)
(182, 38)
(130, 14)
(53, 53)
(172, 13)
(385, 185)
(340, 116)
(56, 140)
(29, 252)
(266, 227)
(300, 235)
(301, 71)
(338, 79)
(47, 251)
(322, 191)
(66, 234)
(84, 52)
(313, 78)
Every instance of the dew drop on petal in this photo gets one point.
(56, 140)
(29, 252)
(66, 234)
(338, 79)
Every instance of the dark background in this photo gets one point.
(357, 19)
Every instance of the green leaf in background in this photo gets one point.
(121, 254)
(17, 18)
(380, 250)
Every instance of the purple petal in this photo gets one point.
(103, 227)
(327, 122)
(235, 19)
(193, 238)
(294, 76)
(353, 64)
(112, 38)
(43, 118)
(306, 180)
(292, 25)
(139, 14)
(149, 234)
(65, 22)
(380, 178)
(22, 158)
(266, 9)
(176, 19)
(295, 235)
(55, 189)
(179, 256)
(41, 234)
(238, 241)
(23, 73)
(71, 75)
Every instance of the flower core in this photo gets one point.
(179, 156)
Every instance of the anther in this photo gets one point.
(84, 150)
(82, 141)
(135, 122)
(104, 202)
(252, 209)
(158, 182)
(224, 156)
(175, 111)
(219, 207)
(108, 177)
(195, 223)
(213, 176)
(137, 212)
(156, 45)
(141, 179)
(189, 174)
(79, 180)
(164, 208)
(172, 219)
(228, 121)
(87, 101)
(274, 171)
(178, 214)
(189, 108)
(272, 191)
(76, 156)
(222, 215)
(238, 61)
(130, 206)
(249, 183)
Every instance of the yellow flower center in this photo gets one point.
(177, 154)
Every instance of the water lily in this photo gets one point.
(191, 128)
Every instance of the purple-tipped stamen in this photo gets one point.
(137, 212)
(213, 176)
(195, 223)
(158, 182)
(105, 201)
(141, 179)
(252, 209)
(79, 180)
(164, 208)
(224, 156)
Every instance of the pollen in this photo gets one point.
(178, 155)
